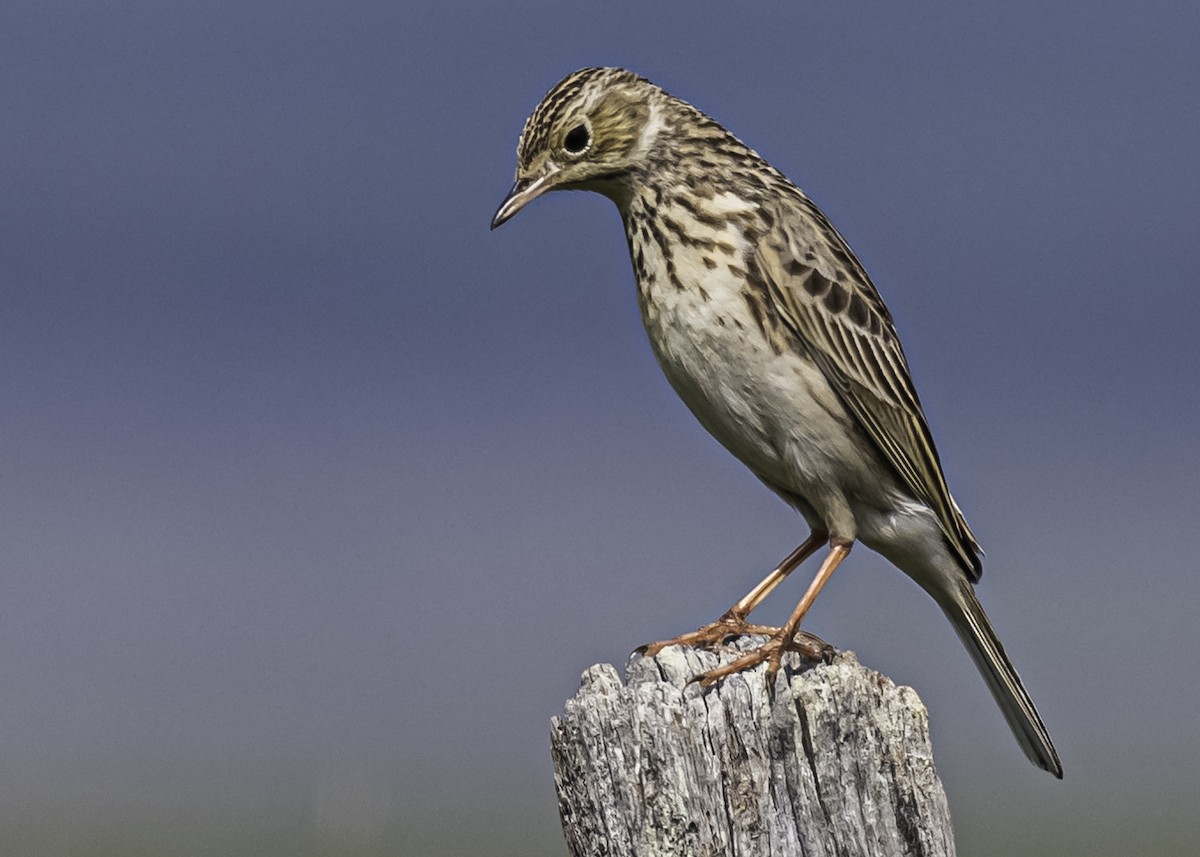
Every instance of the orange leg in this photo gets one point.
(732, 622)
(785, 638)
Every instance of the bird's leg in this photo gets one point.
(732, 622)
(786, 637)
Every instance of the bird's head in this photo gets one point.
(590, 132)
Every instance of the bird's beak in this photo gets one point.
(523, 192)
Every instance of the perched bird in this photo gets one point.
(771, 332)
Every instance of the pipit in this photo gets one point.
(771, 332)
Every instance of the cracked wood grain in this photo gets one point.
(836, 763)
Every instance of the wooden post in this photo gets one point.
(837, 764)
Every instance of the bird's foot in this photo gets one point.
(711, 635)
(809, 646)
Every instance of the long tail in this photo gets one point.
(971, 624)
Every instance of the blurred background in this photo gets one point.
(316, 498)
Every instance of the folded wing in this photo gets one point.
(823, 293)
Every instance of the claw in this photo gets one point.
(790, 638)
(711, 635)
(809, 646)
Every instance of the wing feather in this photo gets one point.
(823, 293)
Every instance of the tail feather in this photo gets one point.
(971, 624)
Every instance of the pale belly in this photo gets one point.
(770, 407)
(753, 387)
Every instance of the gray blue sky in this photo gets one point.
(317, 497)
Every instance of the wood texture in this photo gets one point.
(836, 761)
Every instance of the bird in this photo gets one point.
(769, 329)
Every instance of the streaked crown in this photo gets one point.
(593, 117)
(590, 132)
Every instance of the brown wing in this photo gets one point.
(825, 296)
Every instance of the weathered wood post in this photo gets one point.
(837, 763)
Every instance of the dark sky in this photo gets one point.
(317, 497)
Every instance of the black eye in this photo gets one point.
(577, 140)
